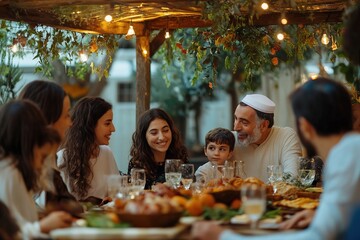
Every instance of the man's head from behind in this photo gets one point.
(325, 105)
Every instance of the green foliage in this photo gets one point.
(10, 75)
(250, 49)
(48, 44)
(220, 214)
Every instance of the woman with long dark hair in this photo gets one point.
(156, 138)
(85, 159)
(25, 144)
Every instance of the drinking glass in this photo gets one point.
(306, 171)
(118, 186)
(138, 180)
(172, 172)
(254, 202)
(187, 174)
(275, 173)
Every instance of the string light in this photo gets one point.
(108, 18)
(325, 39)
(283, 20)
(167, 33)
(131, 32)
(83, 56)
(15, 48)
(280, 36)
(265, 6)
(333, 45)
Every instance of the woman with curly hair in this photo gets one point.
(155, 139)
(85, 159)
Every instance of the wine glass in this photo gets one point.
(138, 181)
(172, 172)
(254, 202)
(187, 174)
(306, 171)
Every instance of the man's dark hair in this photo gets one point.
(262, 115)
(351, 43)
(326, 104)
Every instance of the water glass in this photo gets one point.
(187, 174)
(172, 172)
(306, 171)
(138, 180)
(275, 173)
(254, 202)
(118, 186)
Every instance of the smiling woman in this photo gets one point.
(163, 141)
(86, 159)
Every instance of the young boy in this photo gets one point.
(219, 147)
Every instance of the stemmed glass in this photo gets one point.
(138, 181)
(254, 202)
(187, 174)
(275, 174)
(306, 171)
(172, 172)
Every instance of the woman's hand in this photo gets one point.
(55, 220)
(206, 230)
(299, 220)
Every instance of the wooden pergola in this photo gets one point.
(150, 15)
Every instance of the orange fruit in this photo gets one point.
(220, 206)
(207, 199)
(179, 200)
(186, 193)
(113, 217)
(194, 207)
(119, 203)
(235, 204)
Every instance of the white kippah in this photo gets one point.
(259, 102)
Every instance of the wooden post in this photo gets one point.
(143, 78)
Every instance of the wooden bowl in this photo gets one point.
(226, 196)
(150, 220)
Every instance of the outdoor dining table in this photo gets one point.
(178, 232)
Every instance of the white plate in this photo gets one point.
(117, 233)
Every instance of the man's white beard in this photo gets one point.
(253, 138)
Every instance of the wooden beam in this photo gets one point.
(305, 18)
(94, 27)
(143, 80)
(178, 22)
(157, 41)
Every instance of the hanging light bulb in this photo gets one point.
(167, 34)
(15, 48)
(333, 44)
(108, 18)
(83, 56)
(325, 39)
(265, 6)
(280, 36)
(283, 20)
(131, 32)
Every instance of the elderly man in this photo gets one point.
(259, 143)
(323, 114)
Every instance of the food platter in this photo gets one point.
(162, 220)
